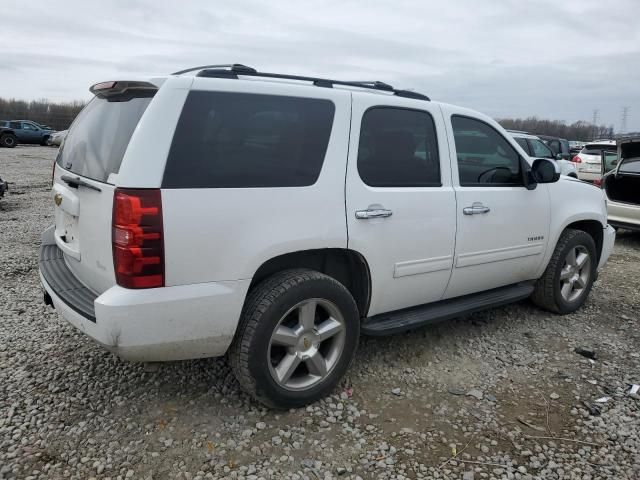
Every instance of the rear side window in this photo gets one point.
(240, 140)
(99, 137)
(398, 148)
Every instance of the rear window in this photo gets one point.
(240, 140)
(596, 149)
(99, 136)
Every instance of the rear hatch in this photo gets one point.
(83, 186)
(591, 156)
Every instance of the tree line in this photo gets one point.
(56, 115)
(60, 115)
(580, 130)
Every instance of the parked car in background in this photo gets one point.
(28, 131)
(56, 138)
(364, 210)
(559, 146)
(574, 147)
(4, 186)
(534, 147)
(589, 161)
(7, 137)
(622, 184)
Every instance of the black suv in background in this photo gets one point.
(558, 145)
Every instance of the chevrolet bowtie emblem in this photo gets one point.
(58, 199)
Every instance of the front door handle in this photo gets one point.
(475, 209)
(373, 213)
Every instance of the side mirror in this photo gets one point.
(544, 170)
(558, 156)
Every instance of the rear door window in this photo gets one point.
(99, 137)
(242, 140)
(398, 148)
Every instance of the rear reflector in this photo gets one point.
(137, 238)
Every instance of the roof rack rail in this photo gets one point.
(235, 69)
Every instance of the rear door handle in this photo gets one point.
(475, 209)
(373, 213)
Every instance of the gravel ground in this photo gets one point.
(498, 394)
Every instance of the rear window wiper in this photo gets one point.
(76, 182)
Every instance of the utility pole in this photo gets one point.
(594, 122)
(623, 120)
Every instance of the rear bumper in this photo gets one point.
(623, 215)
(608, 239)
(158, 324)
(589, 176)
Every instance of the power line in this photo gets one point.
(623, 121)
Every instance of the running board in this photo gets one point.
(414, 317)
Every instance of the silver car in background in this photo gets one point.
(56, 138)
(589, 161)
(536, 148)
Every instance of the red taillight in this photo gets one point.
(576, 159)
(598, 182)
(138, 250)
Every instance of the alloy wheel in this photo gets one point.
(306, 344)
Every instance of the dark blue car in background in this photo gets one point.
(27, 131)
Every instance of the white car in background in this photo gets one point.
(536, 148)
(589, 161)
(56, 138)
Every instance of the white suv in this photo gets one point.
(276, 218)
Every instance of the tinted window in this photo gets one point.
(523, 143)
(15, 125)
(555, 146)
(485, 157)
(596, 149)
(631, 165)
(398, 148)
(539, 149)
(239, 140)
(99, 136)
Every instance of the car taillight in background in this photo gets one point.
(576, 159)
(598, 182)
(137, 238)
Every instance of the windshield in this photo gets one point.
(99, 136)
(630, 166)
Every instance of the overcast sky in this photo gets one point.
(556, 59)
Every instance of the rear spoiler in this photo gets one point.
(122, 91)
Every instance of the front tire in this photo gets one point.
(8, 140)
(567, 281)
(298, 333)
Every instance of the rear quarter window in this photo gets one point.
(241, 140)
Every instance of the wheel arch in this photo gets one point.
(344, 265)
(594, 229)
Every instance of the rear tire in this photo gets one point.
(45, 141)
(567, 281)
(8, 140)
(298, 333)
